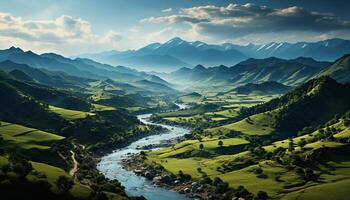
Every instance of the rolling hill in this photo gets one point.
(339, 70)
(51, 78)
(60, 67)
(311, 104)
(265, 88)
(288, 72)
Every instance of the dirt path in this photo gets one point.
(75, 166)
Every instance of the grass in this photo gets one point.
(191, 98)
(52, 173)
(227, 113)
(70, 114)
(259, 124)
(249, 179)
(135, 108)
(25, 137)
(3, 161)
(99, 107)
(279, 182)
(167, 156)
(338, 190)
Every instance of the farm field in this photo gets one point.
(259, 124)
(25, 137)
(72, 114)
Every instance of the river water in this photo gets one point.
(111, 166)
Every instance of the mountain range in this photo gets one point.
(289, 72)
(269, 87)
(177, 53)
(59, 71)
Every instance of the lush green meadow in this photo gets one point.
(72, 114)
(25, 137)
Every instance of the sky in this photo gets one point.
(72, 27)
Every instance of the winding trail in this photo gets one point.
(75, 166)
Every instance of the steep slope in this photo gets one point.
(313, 103)
(51, 78)
(339, 70)
(152, 62)
(37, 61)
(153, 86)
(19, 75)
(270, 87)
(287, 72)
(16, 107)
(172, 55)
(83, 68)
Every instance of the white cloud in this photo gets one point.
(63, 28)
(63, 34)
(167, 10)
(235, 20)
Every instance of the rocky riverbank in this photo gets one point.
(203, 189)
(192, 189)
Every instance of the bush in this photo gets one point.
(64, 184)
(262, 195)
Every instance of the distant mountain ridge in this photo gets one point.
(289, 72)
(56, 70)
(339, 70)
(311, 104)
(269, 87)
(181, 53)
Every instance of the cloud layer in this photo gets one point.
(64, 34)
(237, 20)
(63, 28)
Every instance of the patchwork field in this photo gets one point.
(25, 137)
(70, 114)
(259, 124)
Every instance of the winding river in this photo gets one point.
(111, 166)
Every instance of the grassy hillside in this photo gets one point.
(311, 104)
(258, 124)
(309, 166)
(339, 70)
(264, 88)
(191, 98)
(26, 138)
(70, 114)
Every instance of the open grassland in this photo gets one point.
(52, 173)
(99, 107)
(238, 100)
(334, 190)
(228, 106)
(25, 137)
(70, 114)
(278, 180)
(259, 124)
(194, 145)
(191, 98)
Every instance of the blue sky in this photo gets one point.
(81, 26)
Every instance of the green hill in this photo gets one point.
(339, 70)
(18, 74)
(288, 72)
(265, 88)
(190, 98)
(310, 105)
